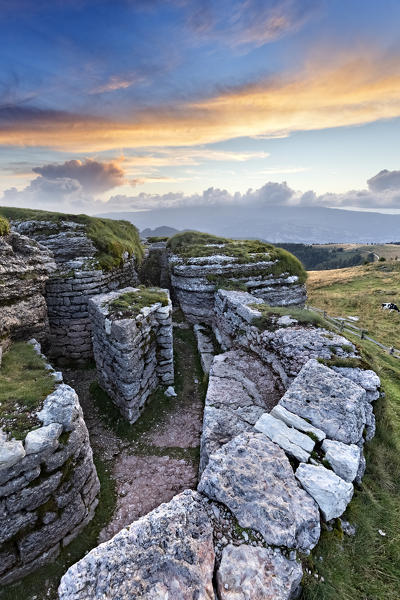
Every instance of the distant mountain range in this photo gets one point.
(275, 224)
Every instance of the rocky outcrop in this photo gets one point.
(25, 266)
(254, 479)
(240, 389)
(166, 554)
(48, 487)
(207, 264)
(133, 352)
(78, 277)
(286, 348)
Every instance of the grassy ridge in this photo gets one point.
(366, 566)
(190, 244)
(111, 238)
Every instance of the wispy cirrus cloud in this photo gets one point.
(349, 91)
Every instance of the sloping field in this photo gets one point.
(365, 566)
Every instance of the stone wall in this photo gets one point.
(274, 464)
(133, 354)
(48, 487)
(195, 280)
(77, 278)
(25, 267)
(154, 269)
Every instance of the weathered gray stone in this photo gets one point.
(344, 459)
(240, 389)
(62, 406)
(166, 554)
(253, 478)
(43, 438)
(10, 453)
(33, 496)
(365, 378)
(279, 412)
(331, 402)
(293, 442)
(331, 493)
(248, 573)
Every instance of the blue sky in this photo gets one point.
(159, 100)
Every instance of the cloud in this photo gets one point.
(95, 177)
(60, 194)
(349, 91)
(385, 180)
(250, 22)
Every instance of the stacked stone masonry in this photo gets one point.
(195, 280)
(25, 267)
(273, 462)
(48, 486)
(133, 355)
(76, 280)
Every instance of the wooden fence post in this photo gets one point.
(362, 334)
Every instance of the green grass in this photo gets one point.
(303, 316)
(156, 238)
(4, 226)
(131, 303)
(360, 291)
(111, 238)
(24, 384)
(191, 244)
(366, 566)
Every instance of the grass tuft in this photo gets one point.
(4, 226)
(303, 316)
(24, 384)
(131, 303)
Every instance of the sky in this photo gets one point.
(133, 104)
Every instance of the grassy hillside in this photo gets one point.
(111, 238)
(366, 566)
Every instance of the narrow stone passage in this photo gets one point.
(157, 457)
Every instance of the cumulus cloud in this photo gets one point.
(385, 180)
(95, 177)
(58, 194)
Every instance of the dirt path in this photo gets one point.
(157, 457)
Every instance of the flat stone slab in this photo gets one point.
(240, 389)
(344, 459)
(332, 493)
(10, 453)
(279, 412)
(168, 553)
(253, 573)
(253, 477)
(330, 401)
(293, 442)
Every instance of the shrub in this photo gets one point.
(4, 226)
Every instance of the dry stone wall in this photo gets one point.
(25, 267)
(195, 281)
(133, 354)
(48, 486)
(77, 278)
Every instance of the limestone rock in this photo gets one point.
(293, 442)
(240, 389)
(331, 402)
(365, 378)
(10, 453)
(331, 493)
(253, 478)
(44, 438)
(62, 406)
(166, 554)
(248, 573)
(279, 412)
(344, 459)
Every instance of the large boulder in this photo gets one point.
(253, 477)
(248, 573)
(332, 493)
(240, 389)
(166, 554)
(329, 401)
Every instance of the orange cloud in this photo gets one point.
(351, 92)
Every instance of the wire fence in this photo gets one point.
(343, 324)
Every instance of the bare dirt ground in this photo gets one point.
(157, 457)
